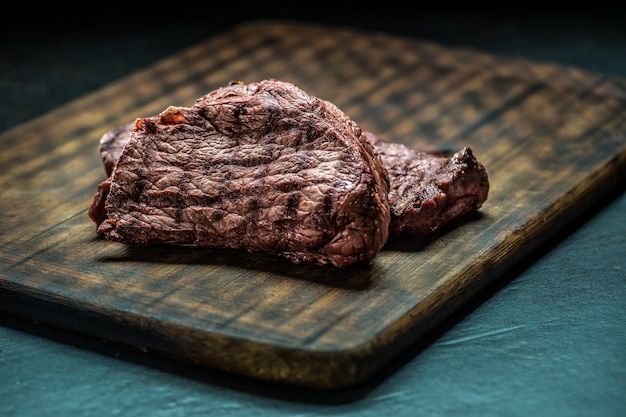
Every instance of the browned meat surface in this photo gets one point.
(112, 143)
(427, 190)
(261, 167)
(430, 190)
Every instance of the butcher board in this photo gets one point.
(552, 139)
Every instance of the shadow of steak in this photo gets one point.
(261, 167)
(430, 190)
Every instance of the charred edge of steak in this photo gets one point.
(261, 166)
(430, 190)
(97, 213)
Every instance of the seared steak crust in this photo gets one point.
(261, 167)
(430, 190)
(427, 190)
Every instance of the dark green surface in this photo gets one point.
(550, 341)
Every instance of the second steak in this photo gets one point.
(430, 190)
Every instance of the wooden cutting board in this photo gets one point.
(552, 139)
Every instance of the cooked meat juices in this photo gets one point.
(261, 167)
(430, 190)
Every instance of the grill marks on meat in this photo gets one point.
(261, 167)
(266, 167)
(430, 190)
(427, 190)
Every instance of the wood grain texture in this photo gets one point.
(552, 139)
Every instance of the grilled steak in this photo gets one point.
(427, 190)
(261, 167)
(430, 190)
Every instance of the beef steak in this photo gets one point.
(430, 190)
(262, 167)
